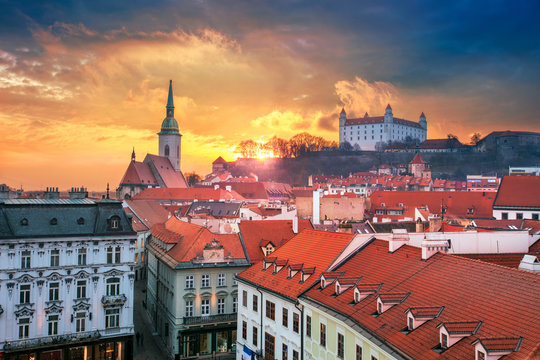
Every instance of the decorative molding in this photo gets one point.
(24, 311)
(54, 307)
(81, 306)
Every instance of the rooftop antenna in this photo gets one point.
(107, 190)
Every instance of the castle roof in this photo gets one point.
(388, 107)
(418, 159)
(219, 160)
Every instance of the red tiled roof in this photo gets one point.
(426, 311)
(519, 191)
(311, 248)
(254, 232)
(512, 133)
(500, 344)
(187, 194)
(219, 160)
(138, 173)
(457, 203)
(418, 159)
(136, 223)
(462, 327)
(165, 170)
(505, 300)
(440, 144)
(150, 212)
(190, 240)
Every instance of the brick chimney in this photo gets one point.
(419, 225)
(435, 223)
(78, 193)
(52, 193)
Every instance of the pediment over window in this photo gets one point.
(81, 306)
(113, 272)
(24, 311)
(54, 309)
(54, 276)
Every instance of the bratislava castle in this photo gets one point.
(366, 132)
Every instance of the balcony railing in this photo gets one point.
(112, 300)
(51, 340)
(206, 319)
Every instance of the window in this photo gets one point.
(54, 221)
(284, 352)
(285, 320)
(80, 323)
(205, 307)
(411, 324)
(114, 222)
(535, 216)
(255, 303)
(54, 291)
(166, 150)
(379, 308)
(24, 294)
(55, 257)
(294, 355)
(113, 255)
(81, 259)
(190, 282)
(269, 342)
(255, 335)
(189, 308)
(81, 289)
(24, 222)
(308, 326)
(80, 221)
(444, 341)
(504, 216)
(340, 346)
(270, 310)
(24, 328)
(25, 259)
(480, 355)
(296, 323)
(222, 280)
(221, 306)
(53, 324)
(244, 330)
(205, 281)
(244, 298)
(358, 352)
(113, 286)
(519, 216)
(112, 318)
(323, 335)
(235, 304)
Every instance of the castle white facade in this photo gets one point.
(367, 132)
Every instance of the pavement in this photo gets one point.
(151, 347)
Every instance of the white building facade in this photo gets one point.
(66, 279)
(367, 133)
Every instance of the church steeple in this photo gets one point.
(170, 102)
(133, 154)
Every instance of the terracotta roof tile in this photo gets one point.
(505, 300)
(315, 249)
(138, 173)
(187, 194)
(426, 311)
(462, 327)
(519, 191)
(493, 345)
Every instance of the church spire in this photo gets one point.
(170, 102)
(133, 154)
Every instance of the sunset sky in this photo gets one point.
(82, 82)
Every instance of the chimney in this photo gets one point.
(419, 225)
(52, 193)
(216, 186)
(399, 238)
(435, 223)
(316, 207)
(78, 193)
(295, 224)
(228, 188)
(433, 243)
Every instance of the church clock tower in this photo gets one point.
(169, 136)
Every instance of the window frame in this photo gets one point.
(296, 322)
(285, 317)
(81, 256)
(322, 335)
(270, 310)
(205, 281)
(24, 293)
(81, 289)
(205, 307)
(221, 305)
(54, 291)
(113, 286)
(55, 258)
(189, 308)
(190, 282)
(112, 318)
(26, 259)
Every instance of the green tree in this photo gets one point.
(192, 178)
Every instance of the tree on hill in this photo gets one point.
(475, 138)
(192, 178)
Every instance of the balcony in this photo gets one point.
(28, 344)
(113, 300)
(208, 319)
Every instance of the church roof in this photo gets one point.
(219, 160)
(164, 171)
(138, 173)
(169, 124)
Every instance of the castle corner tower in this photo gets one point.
(169, 136)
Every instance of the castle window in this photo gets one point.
(166, 150)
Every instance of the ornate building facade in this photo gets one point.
(66, 279)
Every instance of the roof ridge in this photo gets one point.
(491, 264)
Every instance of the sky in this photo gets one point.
(83, 82)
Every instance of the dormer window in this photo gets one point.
(387, 300)
(379, 307)
(54, 221)
(411, 324)
(452, 332)
(114, 222)
(444, 341)
(470, 211)
(480, 355)
(24, 222)
(80, 221)
(338, 289)
(496, 348)
(323, 283)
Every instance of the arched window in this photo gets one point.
(166, 150)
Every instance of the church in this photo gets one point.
(156, 171)
(369, 132)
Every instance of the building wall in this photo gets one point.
(332, 208)
(174, 142)
(312, 345)
(41, 274)
(282, 335)
(366, 136)
(167, 296)
(512, 214)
